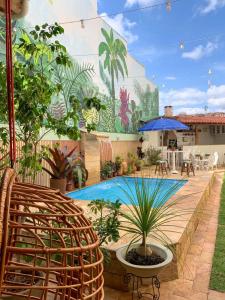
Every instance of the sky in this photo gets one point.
(183, 50)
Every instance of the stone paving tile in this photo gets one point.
(213, 295)
(197, 267)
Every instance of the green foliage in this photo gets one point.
(79, 174)
(106, 120)
(118, 163)
(115, 53)
(149, 101)
(135, 117)
(37, 55)
(148, 213)
(217, 280)
(107, 169)
(152, 156)
(106, 223)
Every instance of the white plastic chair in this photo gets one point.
(212, 162)
(195, 162)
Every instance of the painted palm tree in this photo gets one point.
(114, 61)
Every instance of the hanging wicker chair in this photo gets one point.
(48, 249)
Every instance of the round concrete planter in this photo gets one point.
(145, 271)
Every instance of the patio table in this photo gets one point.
(172, 157)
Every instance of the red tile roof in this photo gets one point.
(202, 119)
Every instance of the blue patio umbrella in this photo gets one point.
(163, 124)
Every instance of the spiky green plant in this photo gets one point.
(149, 215)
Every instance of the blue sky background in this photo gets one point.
(154, 36)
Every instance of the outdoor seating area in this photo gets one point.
(186, 161)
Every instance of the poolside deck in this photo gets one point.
(193, 283)
(193, 196)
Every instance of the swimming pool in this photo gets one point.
(116, 188)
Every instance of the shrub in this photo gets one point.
(152, 155)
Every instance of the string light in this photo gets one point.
(181, 45)
(210, 71)
(82, 23)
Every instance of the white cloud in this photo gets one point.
(122, 25)
(130, 3)
(170, 78)
(186, 96)
(189, 110)
(201, 51)
(211, 5)
(216, 96)
(192, 100)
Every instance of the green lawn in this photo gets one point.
(217, 281)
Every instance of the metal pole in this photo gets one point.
(10, 82)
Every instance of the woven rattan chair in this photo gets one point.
(48, 249)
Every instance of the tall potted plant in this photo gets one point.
(145, 218)
(59, 168)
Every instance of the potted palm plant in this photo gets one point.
(145, 220)
(60, 168)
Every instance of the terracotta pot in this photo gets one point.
(70, 187)
(58, 184)
(124, 167)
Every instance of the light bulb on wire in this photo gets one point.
(210, 71)
(82, 23)
(181, 45)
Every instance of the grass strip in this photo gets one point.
(217, 280)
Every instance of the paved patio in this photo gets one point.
(194, 284)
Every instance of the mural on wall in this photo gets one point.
(124, 115)
(125, 104)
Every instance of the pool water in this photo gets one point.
(116, 188)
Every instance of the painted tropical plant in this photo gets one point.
(115, 53)
(136, 116)
(148, 100)
(124, 108)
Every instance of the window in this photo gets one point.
(218, 129)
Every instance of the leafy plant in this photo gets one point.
(59, 163)
(79, 174)
(107, 169)
(106, 223)
(131, 159)
(138, 163)
(37, 55)
(148, 215)
(115, 53)
(118, 163)
(152, 156)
